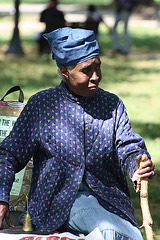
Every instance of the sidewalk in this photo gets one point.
(30, 24)
(146, 16)
(77, 11)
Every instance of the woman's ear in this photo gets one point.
(64, 71)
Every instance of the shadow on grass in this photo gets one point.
(147, 130)
(140, 41)
(146, 43)
(31, 73)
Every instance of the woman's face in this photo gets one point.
(84, 78)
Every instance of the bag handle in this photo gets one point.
(14, 89)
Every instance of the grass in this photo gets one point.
(134, 79)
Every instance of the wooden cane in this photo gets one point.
(142, 186)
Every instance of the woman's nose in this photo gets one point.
(94, 76)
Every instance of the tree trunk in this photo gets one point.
(15, 44)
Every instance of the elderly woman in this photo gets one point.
(83, 148)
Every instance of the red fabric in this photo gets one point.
(52, 4)
(2, 103)
(48, 238)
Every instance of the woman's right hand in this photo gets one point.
(4, 214)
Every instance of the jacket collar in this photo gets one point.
(72, 96)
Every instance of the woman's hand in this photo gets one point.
(147, 169)
(4, 214)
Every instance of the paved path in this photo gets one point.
(73, 13)
(76, 11)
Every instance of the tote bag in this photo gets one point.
(9, 112)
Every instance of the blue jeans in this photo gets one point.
(87, 214)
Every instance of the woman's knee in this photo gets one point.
(111, 234)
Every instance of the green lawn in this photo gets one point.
(136, 79)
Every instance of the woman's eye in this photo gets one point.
(98, 67)
(86, 70)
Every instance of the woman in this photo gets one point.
(82, 145)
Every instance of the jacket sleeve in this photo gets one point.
(17, 149)
(128, 144)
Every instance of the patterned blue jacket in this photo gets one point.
(71, 138)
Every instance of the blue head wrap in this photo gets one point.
(72, 46)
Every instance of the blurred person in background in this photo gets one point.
(53, 19)
(123, 10)
(93, 21)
